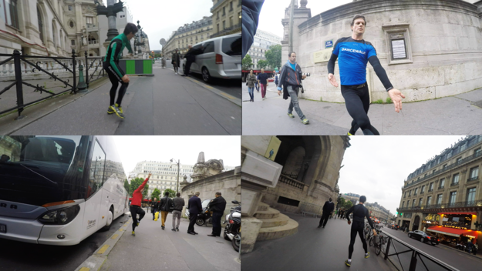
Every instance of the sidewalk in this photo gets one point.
(313, 248)
(155, 249)
(455, 115)
(165, 104)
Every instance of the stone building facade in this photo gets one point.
(48, 27)
(226, 17)
(429, 48)
(189, 34)
(286, 173)
(444, 195)
(262, 41)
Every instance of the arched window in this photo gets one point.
(54, 34)
(40, 25)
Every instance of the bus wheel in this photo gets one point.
(110, 218)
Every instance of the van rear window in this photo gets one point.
(232, 45)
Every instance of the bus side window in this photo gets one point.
(97, 166)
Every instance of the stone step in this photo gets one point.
(262, 207)
(278, 232)
(270, 213)
(281, 220)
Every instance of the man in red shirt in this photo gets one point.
(136, 205)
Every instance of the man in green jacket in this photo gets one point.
(116, 74)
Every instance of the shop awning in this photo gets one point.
(453, 232)
(458, 213)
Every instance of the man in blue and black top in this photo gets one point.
(353, 53)
(116, 74)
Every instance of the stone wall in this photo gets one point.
(445, 39)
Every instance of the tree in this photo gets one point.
(262, 64)
(340, 202)
(135, 183)
(172, 193)
(155, 194)
(247, 62)
(127, 186)
(348, 204)
(273, 56)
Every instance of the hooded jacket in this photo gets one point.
(288, 76)
(250, 17)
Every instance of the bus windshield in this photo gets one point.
(41, 169)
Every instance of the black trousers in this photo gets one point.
(357, 102)
(217, 223)
(154, 210)
(134, 211)
(324, 218)
(189, 61)
(357, 227)
(115, 80)
(192, 221)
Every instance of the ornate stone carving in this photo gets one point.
(203, 169)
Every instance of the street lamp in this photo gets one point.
(178, 163)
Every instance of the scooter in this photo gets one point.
(232, 230)
(205, 217)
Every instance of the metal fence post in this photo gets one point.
(18, 80)
(413, 261)
(86, 70)
(74, 85)
(388, 247)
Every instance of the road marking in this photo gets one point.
(84, 269)
(121, 229)
(103, 249)
(114, 236)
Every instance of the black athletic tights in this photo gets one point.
(357, 102)
(115, 80)
(357, 227)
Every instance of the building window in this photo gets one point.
(9, 12)
(413, 203)
(439, 199)
(71, 24)
(415, 193)
(455, 179)
(474, 173)
(430, 187)
(471, 196)
(231, 21)
(477, 152)
(458, 160)
(224, 25)
(403, 203)
(224, 11)
(89, 20)
(423, 189)
(452, 198)
(70, 8)
(420, 202)
(40, 25)
(231, 6)
(442, 183)
(218, 27)
(429, 199)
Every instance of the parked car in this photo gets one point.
(220, 57)
(424, 237)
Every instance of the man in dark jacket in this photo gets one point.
(217, 206)
(290, 77)
(190, 58)
(164, 206)
(175, 60)
(154, 207)
(250, 16)
(327, 209)
(176, 213)
(195, 207)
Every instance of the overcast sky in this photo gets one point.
(158, 18)
(134, 149)
(377, 166)
(274, 10)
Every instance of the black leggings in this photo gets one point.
(115, 80)
(357, 102)
(134, 211)
(354, 230)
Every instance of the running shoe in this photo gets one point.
(111, 110)
(305, 121)
(347, 263)
(120, 108)
(291, 115)
(367, 255)
(118, 112)
(349, 134)
(133, 233)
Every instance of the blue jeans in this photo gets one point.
(294, 102)
(251, 94)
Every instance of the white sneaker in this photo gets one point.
(176, 72)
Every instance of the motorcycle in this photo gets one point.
(206, 216)
(232, 230)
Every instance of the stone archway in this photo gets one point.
(416, 223)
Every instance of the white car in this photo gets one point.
(220, 58)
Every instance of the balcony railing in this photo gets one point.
(440, 187)
(466, 159)
(430, 190)
(421, 193)
(291, 182)
(472, 179)
(470, 203)
(454, 184)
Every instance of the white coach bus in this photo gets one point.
(59, 190)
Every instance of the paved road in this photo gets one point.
(165, 104)
(155, 249)
(456, 258)
(17, 256)
(456, 115)
(312, 248)
(229, 86)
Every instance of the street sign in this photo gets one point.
(328, 44)
(162, 42)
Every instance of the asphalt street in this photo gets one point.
(312, 248)
(456, 258)
(155, 249)
(455, 115)
(18, 256)
(164, 104)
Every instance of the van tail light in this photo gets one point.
(219, 59)
(428, 237)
